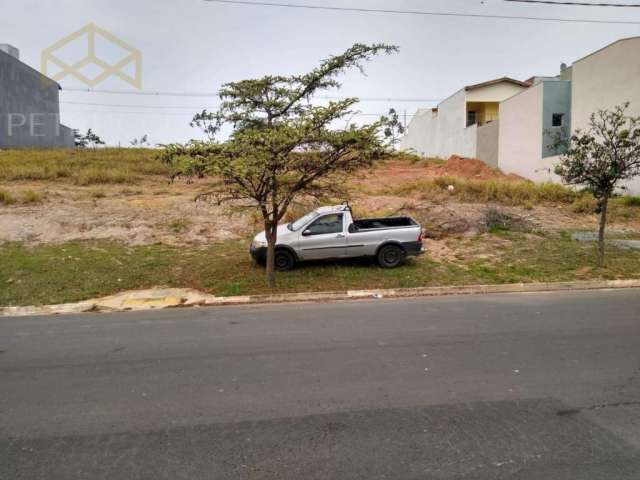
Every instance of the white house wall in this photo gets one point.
(520, 136)
(444, 134)
(604, 79)
(488, 138)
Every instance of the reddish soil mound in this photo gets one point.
(471, 168)
(457, 167)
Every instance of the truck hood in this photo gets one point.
(283, 233)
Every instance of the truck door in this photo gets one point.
(361, 243)
(323, 238)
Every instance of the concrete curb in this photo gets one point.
(178, 297)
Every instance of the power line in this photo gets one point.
(142, 92)
(211, 94)
(125, 112)
(580, 4)
(130, 105)
(129, 112)
(422, 12)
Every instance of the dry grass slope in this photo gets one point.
(521, 193)
(81, 167)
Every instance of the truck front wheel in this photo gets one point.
(390, 256)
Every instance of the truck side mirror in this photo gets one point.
(306, 233)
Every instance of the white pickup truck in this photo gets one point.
(331, 232)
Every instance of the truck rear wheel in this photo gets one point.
(284, 260)
(390, 256)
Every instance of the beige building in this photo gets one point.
(601, 80)
(463, 124)
(530, 122)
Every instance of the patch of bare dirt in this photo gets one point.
(471, 168)
(155, 211)
(142, 214)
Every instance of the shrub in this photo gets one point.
(179, 225)
(94, 176)
(405, 156)
(6, 198)
(493, 220)
(31, 196)
(584, 204)
(630, 201)
(496, 221)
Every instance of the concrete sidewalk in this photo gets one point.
(157, 298)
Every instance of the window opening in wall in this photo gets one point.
(472, 117)
(557, 119)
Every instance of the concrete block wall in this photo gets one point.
(29, 107)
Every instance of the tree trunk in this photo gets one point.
(271, 233)
(603, 223)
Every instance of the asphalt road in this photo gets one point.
(518, 386)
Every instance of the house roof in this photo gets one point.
(495, 81)
(31, 69)
(607, 46)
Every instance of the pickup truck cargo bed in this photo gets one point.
(385, 222)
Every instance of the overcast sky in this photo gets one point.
(195, 46)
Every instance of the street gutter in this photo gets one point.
(159, 298)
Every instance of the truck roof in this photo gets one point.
(333, 208)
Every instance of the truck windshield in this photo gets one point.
(302, 221)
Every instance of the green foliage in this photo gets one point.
(89, 139)
(630, 201)
(393, 127)
(584, 204)
(78, 139)
(605, 154)
(601, 157)
(140, 142)
(281, 145)
(58, 273)
(496, 221)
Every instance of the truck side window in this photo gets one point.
(327, 224)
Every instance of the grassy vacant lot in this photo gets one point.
(81, 167)
(67, 272)
(76, 224)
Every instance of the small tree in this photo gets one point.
(140, 142)
(602, 156)
(89, 139)
(79, 139)
(394, 129)
(92, 139)
(282, 146)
